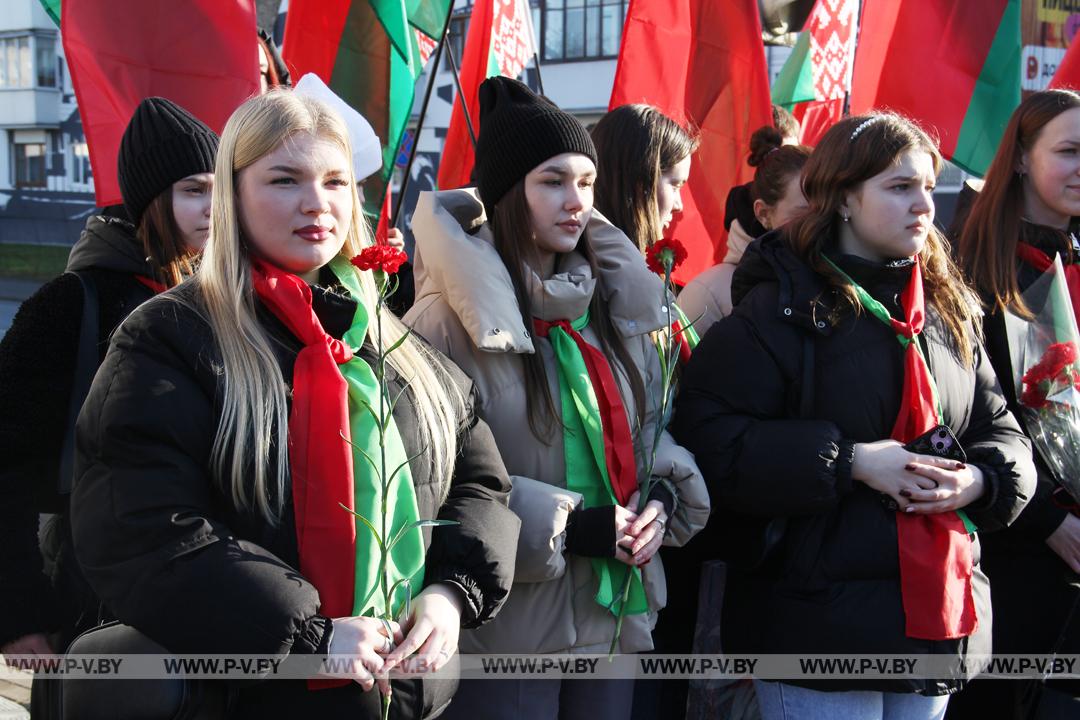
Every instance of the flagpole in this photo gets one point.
(539, 77)
(854, 48)
(423, 113)
(461, 97)
(536, 47)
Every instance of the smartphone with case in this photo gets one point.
(939, 441)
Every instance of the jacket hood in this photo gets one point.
(801, 293)
(737, 242)
(108, 243)
(456, 256)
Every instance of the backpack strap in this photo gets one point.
(86, 365)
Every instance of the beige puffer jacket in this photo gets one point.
(465, 306)
(707, 298)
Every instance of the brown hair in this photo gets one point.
(273, 80)
(163, 242)
(988, 241)
(636, 144)
(785, 122)
(776, 163)
(510, 223)
(839, 165)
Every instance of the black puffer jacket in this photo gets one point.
(831, 585)
(37, 366)
(170, 556)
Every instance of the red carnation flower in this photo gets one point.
(1056, 358)
(665, 255)
(380, 257)
(1033, 397)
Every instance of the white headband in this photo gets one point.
(863, 125)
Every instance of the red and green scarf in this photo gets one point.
(154, 285)
(935, 550)
(597, 444)
(687, 336)
(333, 389)
(1042, 262)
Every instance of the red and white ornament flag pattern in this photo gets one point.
(832, 47)
(426, 46)
(512, 42)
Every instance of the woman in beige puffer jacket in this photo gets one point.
(469, 305)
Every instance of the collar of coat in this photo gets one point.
(456, 256)
(802, 297)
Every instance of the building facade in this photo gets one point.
(46, 184)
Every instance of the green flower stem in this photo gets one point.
(380, 370)
(668, 355)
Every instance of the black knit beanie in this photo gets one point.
(163, 143)
(519, 130)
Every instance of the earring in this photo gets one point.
(845, 218)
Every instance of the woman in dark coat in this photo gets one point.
(798, 406)
(56, 342)
(1027, 210)
(213, 454)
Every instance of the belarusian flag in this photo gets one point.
(370, 53)
(700, 62)
(201, 54)
(500, 42)
(817, 75)
(952, 65)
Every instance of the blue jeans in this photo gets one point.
(780, 701)
(542, 700)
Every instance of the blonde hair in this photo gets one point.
(254, 412)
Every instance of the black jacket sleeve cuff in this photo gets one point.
(315, 637)
(663, 493)
(472, 595)
(845, 458)
(590, 532)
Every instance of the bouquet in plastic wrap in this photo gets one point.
(1046, 366)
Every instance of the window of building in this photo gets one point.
(28, 61)
(15, 62)
(577, 29)
(29, 164)
(46, 60)
(80, 166)
(459, 27)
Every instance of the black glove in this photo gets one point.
(590, 532)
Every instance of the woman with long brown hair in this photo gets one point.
(813, 411)
(549, 309)
(1024, 215)
(644, 162)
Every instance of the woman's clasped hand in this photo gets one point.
(638, 536)
(923, 484)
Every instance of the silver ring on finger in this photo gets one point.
(662, 523)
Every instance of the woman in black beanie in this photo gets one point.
(49, 355)
(548, 307)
